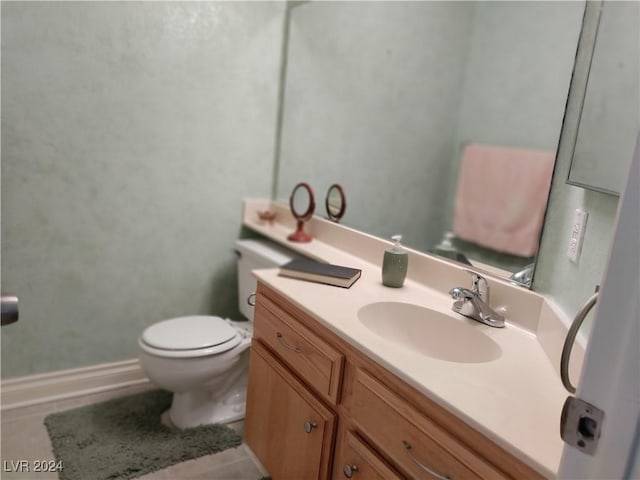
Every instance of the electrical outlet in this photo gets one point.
(578, 228)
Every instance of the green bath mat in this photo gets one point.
(124, 438)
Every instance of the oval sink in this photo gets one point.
(429, 332)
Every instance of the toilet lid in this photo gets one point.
(189, 333)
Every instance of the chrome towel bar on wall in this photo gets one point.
(571, 339)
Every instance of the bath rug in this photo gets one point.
(124, 438)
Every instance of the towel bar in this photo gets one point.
(571, 338)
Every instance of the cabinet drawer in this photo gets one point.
(358, 462)
(306, 353)
(412, 441)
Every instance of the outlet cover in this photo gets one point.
(578, 227)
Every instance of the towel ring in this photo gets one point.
(571, 339)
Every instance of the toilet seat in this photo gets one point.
(192, 336)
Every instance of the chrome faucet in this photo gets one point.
(475, 303)
(524, 276)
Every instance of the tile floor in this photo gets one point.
(24, 437)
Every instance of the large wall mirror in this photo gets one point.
(385, 97)
(610, 117)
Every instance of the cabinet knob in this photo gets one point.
(309, 426)
(349, 470)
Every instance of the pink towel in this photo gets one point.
(502, 196)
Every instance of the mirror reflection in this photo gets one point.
(335, 203)
(610, 112)
(384, 98)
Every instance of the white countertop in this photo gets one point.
(515, 400)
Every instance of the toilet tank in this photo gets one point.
(253, 254)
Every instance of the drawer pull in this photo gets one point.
(285, 344)
(349, 470)
(407, 448)
(309, 426)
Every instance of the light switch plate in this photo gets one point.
(578, 227)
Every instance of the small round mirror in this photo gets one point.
(302, 204)
(335, 202)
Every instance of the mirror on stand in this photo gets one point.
(303, 204)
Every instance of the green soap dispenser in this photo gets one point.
(394, 264)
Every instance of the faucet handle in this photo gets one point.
(476, 282)
(457, 293)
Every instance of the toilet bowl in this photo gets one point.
(203, 359)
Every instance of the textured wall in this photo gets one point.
(131, 131)
(371, 101)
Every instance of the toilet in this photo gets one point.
(202, 359)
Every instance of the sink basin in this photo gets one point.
(429, 332)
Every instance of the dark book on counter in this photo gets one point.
(320, 272)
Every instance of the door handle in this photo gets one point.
(9, 309)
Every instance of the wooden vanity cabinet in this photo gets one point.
(317, 408)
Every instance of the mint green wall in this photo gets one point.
(131, 131)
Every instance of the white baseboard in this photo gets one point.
(64, 384)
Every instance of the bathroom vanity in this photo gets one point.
(333, 394)
(318, 408)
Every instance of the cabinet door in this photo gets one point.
(357, 461)
(289, 430)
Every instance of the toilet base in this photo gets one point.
(165, 419)
(203, 407)
(222, 416)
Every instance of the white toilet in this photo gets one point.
(203, 360)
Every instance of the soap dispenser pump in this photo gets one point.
(446, 248)
(394, 264)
